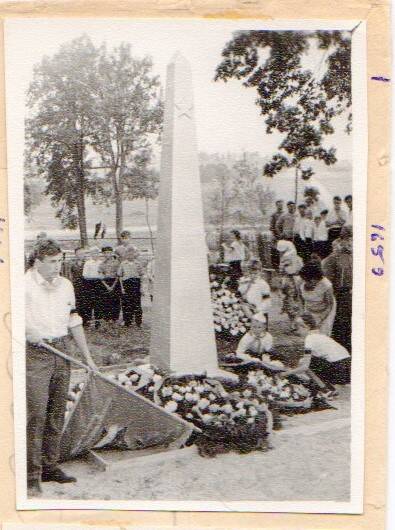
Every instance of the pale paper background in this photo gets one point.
(377, 17)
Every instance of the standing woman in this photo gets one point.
(317, 296)
(235, 254)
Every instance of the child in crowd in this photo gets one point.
(92, 281)
(130, 273)
(257, 343)
(320, 235)
(290, 265)
(255, 291)
(325, 360)
(82, 301)
(108, 268)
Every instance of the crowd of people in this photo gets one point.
(108, 282)
(312, 257)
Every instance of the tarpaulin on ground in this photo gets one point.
(105, 407)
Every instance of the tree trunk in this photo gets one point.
(296, 186)
(147, 219)
(118, 214)
(81, 210)
(118, 205)
(82, 219)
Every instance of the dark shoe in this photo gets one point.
(34, 488)
(56, 475)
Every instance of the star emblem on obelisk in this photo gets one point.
(184, 109)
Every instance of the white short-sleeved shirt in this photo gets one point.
(320, 232)
(235, 252)
(91, 270)
(249, 342)
(49, 307)
(253, 292)
(325, 347)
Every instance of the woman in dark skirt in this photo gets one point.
(326, 361)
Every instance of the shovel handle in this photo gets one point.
(65, 356)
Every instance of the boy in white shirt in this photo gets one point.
(320, 235)
(257, 343)
(255, 291)
(325, 360)
(92, 282)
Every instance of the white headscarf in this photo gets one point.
(286, 247)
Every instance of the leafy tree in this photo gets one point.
(126, 119)
(142, 182)
(221, 194)
(298, 103)
(58, 129)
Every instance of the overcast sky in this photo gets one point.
(226, 114)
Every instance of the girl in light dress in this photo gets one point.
(234, 255)
(317, 296)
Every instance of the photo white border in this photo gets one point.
(15, 144)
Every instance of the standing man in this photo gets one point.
(348, 201)
(337, 217)
(275, 256)
(285, 223)
(49, 318)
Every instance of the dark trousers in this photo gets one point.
(131, 301)
(333, 233)
(275, 255)
(337, 373)
(83, 301)
(111, 301)
(342, 326)
(299, 246)
(47, 385)
(235, 273)
(321, 248)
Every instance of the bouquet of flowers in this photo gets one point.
(229, 317)
(279, 391)
(227, 421)
(142, 380)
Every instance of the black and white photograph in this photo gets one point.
(187, 209)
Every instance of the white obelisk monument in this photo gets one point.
(182, 332)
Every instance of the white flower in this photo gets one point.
(189, 416)
(203, 403)
(151, 388)
(199, 389)
(177, 397)
(239, 405)
(207, 418)
(252, 411)
(190, 397)
(247, 393)
(250, 420)
(212, 397)
(171, 406)
(227, 408)
(214, 407)
(157, 378)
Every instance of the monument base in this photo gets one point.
(214, 374)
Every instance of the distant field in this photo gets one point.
(331, 181)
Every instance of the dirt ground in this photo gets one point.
(310, 458)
